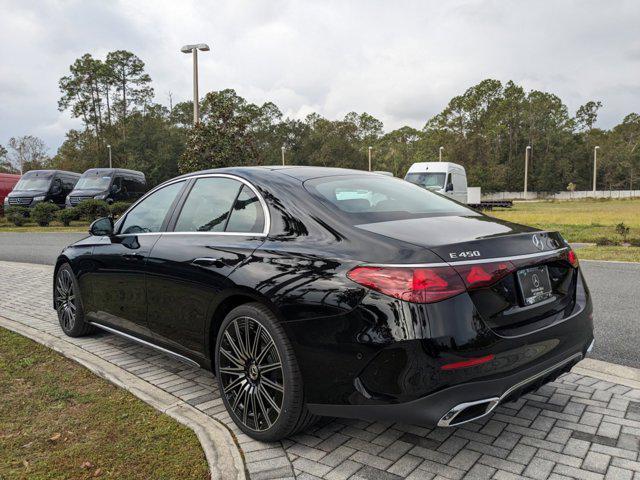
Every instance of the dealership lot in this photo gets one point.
(577, 427)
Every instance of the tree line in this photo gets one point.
(487, 129)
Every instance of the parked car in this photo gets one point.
(7, 182)
(108, 184)
(443, 177)
(38, 186)
(329, 292)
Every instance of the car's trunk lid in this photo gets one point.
(482, 241)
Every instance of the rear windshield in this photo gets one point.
(36, 182)
(374, 198)
(426, 179)
(94, 182)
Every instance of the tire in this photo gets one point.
(247, 376)
(68, 303)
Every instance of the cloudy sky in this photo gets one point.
(398, 60)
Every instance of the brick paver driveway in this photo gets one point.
(577, 427)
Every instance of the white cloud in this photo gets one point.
(400, 61)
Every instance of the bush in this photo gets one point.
(623, 231)
(67, 215)
(17, 215)
(605, 242)
(44, 213)
(634, 242)
(118, 208)
(91, 209)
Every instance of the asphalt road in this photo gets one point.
(615, 288)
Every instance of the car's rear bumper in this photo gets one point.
(461, 403)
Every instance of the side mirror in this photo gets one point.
(56, 189)
(449, 187)
(115, 188)
(102, 227)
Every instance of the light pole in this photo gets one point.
(440, 153)
(526, 169)
(595, 166)
(370, 148)
(193, 49)
(109, 148)
(282, 150)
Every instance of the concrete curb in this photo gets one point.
(220, 448)
(610, 372)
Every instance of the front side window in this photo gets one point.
(208, 205)
(150, 213)
(370, 199)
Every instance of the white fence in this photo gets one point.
(562, 195)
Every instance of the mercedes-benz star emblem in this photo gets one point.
(537, 242)
(535, 280)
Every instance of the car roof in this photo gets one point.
(43, 171)
(114, 170)
(300, 173)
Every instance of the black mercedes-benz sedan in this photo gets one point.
(328, 292)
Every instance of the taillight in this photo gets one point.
(413, 284)
(483, 274)
(573, 258)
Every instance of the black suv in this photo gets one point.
(38, 186)
(108, 184)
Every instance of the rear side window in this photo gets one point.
(374, 198)
(208, 205)
(247, 215)
(149, 214)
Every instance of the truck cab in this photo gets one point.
(37, 186)
(442, 177)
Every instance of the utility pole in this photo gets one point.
(440, 153)
(282, 150)
(370, 148)
(109, 148)
(526, 169)
(595, 167)
(193, 49)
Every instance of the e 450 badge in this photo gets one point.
(468, 254)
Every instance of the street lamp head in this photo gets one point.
(109, 146)
(528, 147)
(190, 48)
(597, 147)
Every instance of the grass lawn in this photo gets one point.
(583, 221)
(60, 421)
(54, 226)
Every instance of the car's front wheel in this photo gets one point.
(68, 303)
(260, 382)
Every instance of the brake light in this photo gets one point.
(573, 258)
(484, 274)
(413, 284)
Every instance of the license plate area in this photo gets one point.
(535, 284)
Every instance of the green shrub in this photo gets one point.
(634, 242)
(91, 209)
(17, 215)
(118, 208)
(605, 242)
(68, 215)
(623, 231)
(44, 213)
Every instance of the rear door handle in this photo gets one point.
(208, 262)
(133, 256)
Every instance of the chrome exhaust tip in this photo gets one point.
(468, 412)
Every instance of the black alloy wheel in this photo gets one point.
(259, 379)
(69, 304)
